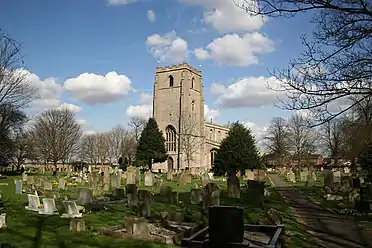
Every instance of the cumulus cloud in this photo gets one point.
(92, 88)
(72, 107)
(247, 92)
(210, 113)
(258, 132)
(86, 126)
(225, 16)
(120, 2)
(151, 15)
(236, 50)
(168, 48)
(144, 109)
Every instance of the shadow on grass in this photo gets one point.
(326, 228)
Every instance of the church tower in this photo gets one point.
(178, 108)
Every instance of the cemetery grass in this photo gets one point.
(28, 229)
(314, 193)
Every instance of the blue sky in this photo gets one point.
(98, 57)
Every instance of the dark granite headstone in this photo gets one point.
(226, 225)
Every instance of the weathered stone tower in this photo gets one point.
(178, 107)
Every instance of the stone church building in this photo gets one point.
(178, 107)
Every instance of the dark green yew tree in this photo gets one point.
(238, 151)
(151, 145)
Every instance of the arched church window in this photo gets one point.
(192, 83)
(171, 81)
(213, 153)
(170, 139)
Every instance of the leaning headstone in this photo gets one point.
(71, 209)
(166, 193)
(33, 203)
(85, 196)
(18, 184)
(149, 179)
(291, 177)
(211, 196)
(249, 174)
(233, 187)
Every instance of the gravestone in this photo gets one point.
(346, 170)
(137, 227)
(211, 196)
(303, 176)
(144, 203)
(249, 174)
(85, 196)
(18, 189)
(337, 177)
(196, 196)
(132, 197)
(233, 187)
(49, 207)
(24, 177)
(226, 225)
(3, 220)
(256, 192)
(291, 177)
(149, 179)
(61, 183)
(71, 209)
(131, 177)
(77, 225)
(328, 178)
(30, 180)
(33, 203)
(170, 175)
(48, 185)
(166, 193)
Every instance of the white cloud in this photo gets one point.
(247, 92)
(120, 2)
(48, 91)
(225, 16)
(86, 126)
(236, 50)
(210, 113)
(91, 88)
(72, 107)
(168, 48)
(144, 109)
(151, 15)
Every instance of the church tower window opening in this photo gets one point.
(192, 83)
(170, 139)
(171, 81)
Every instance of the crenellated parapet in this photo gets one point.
(178, 67)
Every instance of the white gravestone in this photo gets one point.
(18, 184)
(49, 207)
(71, 209)
(3, 220)
(33, 203)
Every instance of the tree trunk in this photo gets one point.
(150, 164)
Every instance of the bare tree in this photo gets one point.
(15, 89)
(301, 138)
(337, 61)
(103, 147)
(332, 136)
(57, 134)
(137, 124)
(89, 142)
(119, 135)
(25, 147)
(190, 137)
(276, 139)
(129, 147)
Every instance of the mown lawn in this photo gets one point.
(28, 229)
